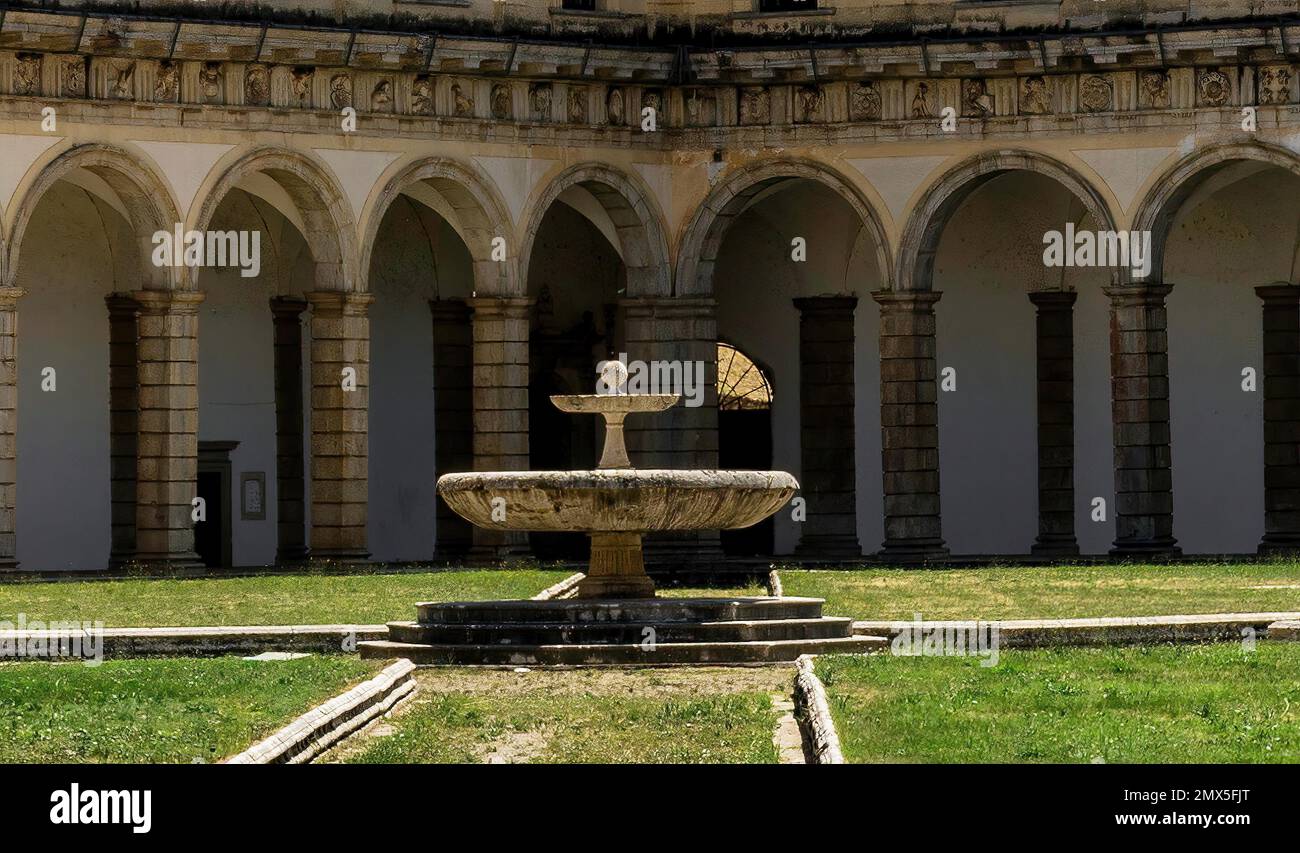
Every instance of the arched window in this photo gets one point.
(742, 385)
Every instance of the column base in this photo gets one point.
(1054, 546)
(1162, 548)
(617, 569)
(298, 554)
(1279, 545)
(829, 547)
(606, 587)
(333, 556)
(8, 564)
(913, 551)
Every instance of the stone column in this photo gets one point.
(909, 426)
(340, 357)
(1281, 419)
(1139, 360)
(168, 441)
(828, 478)
(683, 332)
(500, 333)
(9, 297)
(453, 406)
(1055, 328)
(290, 473)
(123, 422)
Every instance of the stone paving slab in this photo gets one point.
(1101, 631)
(195, 641)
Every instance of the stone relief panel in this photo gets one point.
(381, 95)
(615, 108)
(922, 99)
(1096, 93)
(72, 77)
(976, 100)
(300, 86)
(27, 74)
(653, 99)
(500, 102)
(701, 108)
(462, 99)
(1154, 90)
(864, 102)
(211, 83)
(1213, 88)
(1036, 95)
(257, 85)
(1273, 85)
(340, 91)
(576, 105)
(540, 101)
(422, 95)
(755, 105)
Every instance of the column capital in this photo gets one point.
(830, 304)
(1140, 293)
(338, 303)
(168, 301)
(659, 303)
(1280, 293)
(121, 305)
(287, 307)
(9, 297)
(501, 306)
(906, 300)
(1058, 300)
(449, 310)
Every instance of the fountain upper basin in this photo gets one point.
(618, 500)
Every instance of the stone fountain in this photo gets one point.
(616, 617)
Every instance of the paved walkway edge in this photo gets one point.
(325, 725)
(194, 641)
(566, 588)
(1107, 631)
(814, 714)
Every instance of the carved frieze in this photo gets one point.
(1035, 95)
(27, 74)
(462, 104)
(701, 108)
(121, 80)
(1213, 88)
(167, 83)
(809, 104)
(340, 91)
(755, 105)
(257, 85)
(976, 102)
(500, 101)
(615, 110)
(922, 105)
(864, 102)
(1273, 85)
(1153, 90)
(381, 96)
(211, 77)
(72, 77)
(1096, 93)
(577, 105)
(300, 85)
(539, 101)
(422, 95)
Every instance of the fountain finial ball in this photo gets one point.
(613, 377)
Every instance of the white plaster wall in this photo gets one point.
(417, 257)
(68, 263)
(1242, 236)
(755, 281)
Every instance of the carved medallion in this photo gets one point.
(1214, 88)
(422, 96)
(539, 101)
(864, 102)
(976, 100)
(257, 85)
(341, 91)
(1095, 93)
(73, 84)
(577, 105)
(808, 104)
(1035, 96)
(27, 74)
(1275, 84)
(381, 97)
(755, 105)
(500, 101)
(1155, 89)
(614, 111)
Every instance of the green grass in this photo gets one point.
(176, 710)
(1212, 704)
(266, 600)
(585, 716)
(1050, 591)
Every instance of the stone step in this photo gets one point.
(663, 654)
(631, 633)
(632, 610)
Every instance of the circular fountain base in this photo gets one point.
(631, 632)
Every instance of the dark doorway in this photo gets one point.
(745, 439)
(212, 535)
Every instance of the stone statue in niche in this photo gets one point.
(921, 101)
(167, 85)
(462, 104)
(1095, 93)
(615, 113)
(257, 85)
(341, 91)
(210, 82)
(74, 78)
(1214, 88)
(1155, 89)
(809, 101)
(1035, 97)
(577, 105)
(539, 101)
(976, 100)
(500, 101)
(864, 102)
(755, 105)
(422, 96)
(300, 84)
(1274, 85)
(381, 97)
(27, 74)
(123, 80)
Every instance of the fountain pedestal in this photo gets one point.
(617, 568)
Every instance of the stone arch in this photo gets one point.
(704, 235)
(1171, 189)
(637, 220)
(324, 210)
(480, 216)
(144, 193)
(925, 225)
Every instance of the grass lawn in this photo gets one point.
(1212, 703)
(584, 716)
(267, 600)
(1051, 591)
(175, 710)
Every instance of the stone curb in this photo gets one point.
(1288, 629)
(566, 588)
(1103, 631)
(198, 641)
(325, 725)
(774, 587)
(814, 714)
